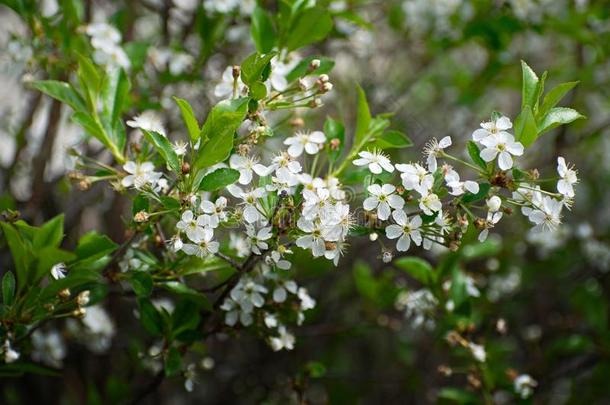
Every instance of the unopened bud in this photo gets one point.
(474, 381)
(335, 143)
(373, 236)
(64, 294)
(445, 370)
(135, 147)
(141, 216)
(186, 168)
(79, 312)
(326, 87)
(323, 78)
(314, 64)
(480, 223)
(49, 307)
(83, 298)
(236, 71)
(302, 85)
(387, 256)
(84, 184)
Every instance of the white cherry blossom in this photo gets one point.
(491, 128)
(376, 161)
(139, 174)
(258, 239)
(433, 149)
(502, 145)
(568, 175)
(405, 229)
(148, 121)
(246, 165)
(383, 199)
(311, 143)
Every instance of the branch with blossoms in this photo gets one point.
(233, 210)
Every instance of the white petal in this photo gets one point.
(488, 154)
(505, 161)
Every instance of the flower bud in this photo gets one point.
(387, 256)
(314, 64)
(335, 143)
(64, 294)
(494, 203)
(316, 102)
(236, 71)
(297, 122)
(141, 216)
(323, 78)
(186, 168)
(83, 298)
(326, 87)
(79, 312)
(373, 236)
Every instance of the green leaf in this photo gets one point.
(93, 246)
(20, 368)
(457, 396)
(173, 361)
(185, 316)
(165, 149)
(258, 90)
(253, 66)
(475, 155)
(95, 129)
(19, 251)
(262, 31)
(334, 129)
(363, 117)
(61, 91)
(554, 96)
(418, 268)
(365, 281)
(115, 90)
(8, 288)
(302, 68)
(50, 234)
(218, 179)
(530, 86)
(188, 116)
(142, 283)
(458, 291)
(526, 130)
(150, 318)
(89, 79)
(219, 128)
(393, 139)
(311, 25)
(483, 190)
(558, 116)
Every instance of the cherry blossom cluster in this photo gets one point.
(434, 204)
(106, 40)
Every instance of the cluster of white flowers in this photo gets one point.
(106, 41)
(96, 329)
(431, 221)
(166, 58)
(49, 348)
(245, 7)
(261, 296)
(419, 306)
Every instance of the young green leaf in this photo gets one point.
(188, 116)
(165, 149)
(219, 128)
(262, 31)
(526, 130)
(558, 116)
(530, 86)
(173, 361)
(253, 67)
(393, 140)
(115, 89)
(218, 179)
(142, 283)
(475, 154)
(150, 318)
(418, 268)
(309, 26)
(61, 91)
(554, 96)
(8, 288)
(50, 234)
(19, 251)
(363, 117)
